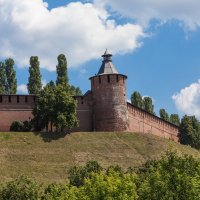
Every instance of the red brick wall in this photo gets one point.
(15, 108)
(141, 121)
(109, 98)
(84, 113)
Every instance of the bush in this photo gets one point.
(19, 126)
(78, 174)
(22, 188)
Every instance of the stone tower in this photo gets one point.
(109, 98)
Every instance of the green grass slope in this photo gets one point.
(47, 157)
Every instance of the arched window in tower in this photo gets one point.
(117, 78)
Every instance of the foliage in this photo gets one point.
(10, 76)
(174, 119)
(172, 177)
(61, 68)
(190, 131)
(34, 85)
(22, 188)
(136, 100)
(148, 105)
(55, 107)
(78, 174)
(75, 91)
(19, 126)
(164, 115)
(111, 186)
(56, 191)
(2, 78)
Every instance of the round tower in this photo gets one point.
(109, 98)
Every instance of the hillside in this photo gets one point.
(48, 157)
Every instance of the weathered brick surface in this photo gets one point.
(141, 121)
(15, 108)
(109, 102)
(104, 108)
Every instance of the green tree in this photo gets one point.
(10, 76)
(174, 119)
(75, 91)
(34, 82)
(77, 174)
(22, 188)
(61, 68)
(111, 186)
(56, 107)
(136, 100)
(148, 105)
(164, 115)
(190, 131)
(2, 78)
(172, 177)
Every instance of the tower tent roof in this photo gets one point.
(107, 66)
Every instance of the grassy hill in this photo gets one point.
(47, 157)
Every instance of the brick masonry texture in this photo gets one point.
(103, 108)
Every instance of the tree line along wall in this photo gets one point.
(144, 122)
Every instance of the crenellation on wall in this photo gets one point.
(142, 121)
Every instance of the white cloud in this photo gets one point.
(188, 99)
(79, 30)
(186, 11)
(22, 89)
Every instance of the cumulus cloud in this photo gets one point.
(79, 30)
(186, 11)
(22, 89)
(188, 99)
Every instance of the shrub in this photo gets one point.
(22, 188)
(17, 126)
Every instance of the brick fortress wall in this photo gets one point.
(15, 108)
(144, 122)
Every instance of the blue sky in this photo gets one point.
(157, 45)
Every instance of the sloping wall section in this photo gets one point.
(144, 122)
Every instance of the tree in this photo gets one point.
(2, 78)
(136, 100)
(75, 91)
(62, 75)
(10, 76)
(34, 82)
(164, 115)
(148, 105)
(174, 119)
(56, 107)
(22, 188)
(171, 177)
(190, 131)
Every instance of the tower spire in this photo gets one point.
(107, 66)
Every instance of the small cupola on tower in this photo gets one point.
(109, 97)
(107, 66)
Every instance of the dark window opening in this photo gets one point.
(34, 98)
(82, 98)
(82, 102)
(117, 78)
(123, 79)
(17, 99)
(100, 79)
(1, 99)
(26, 99)
(9, 98)
(108, 79)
